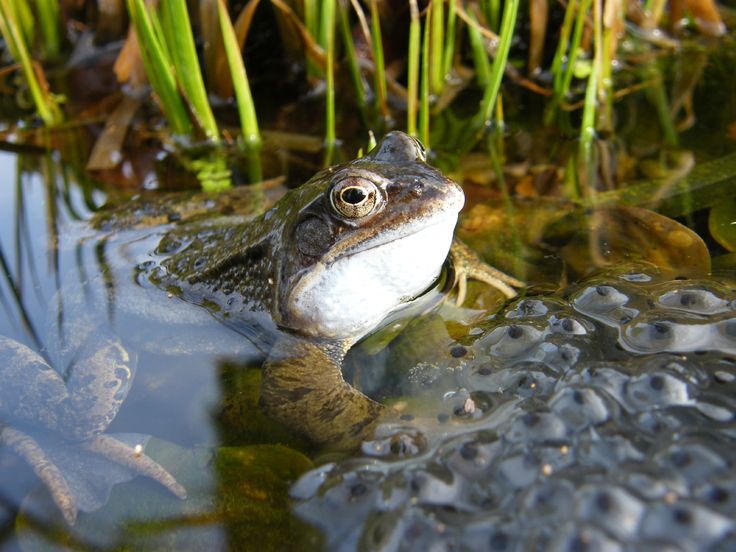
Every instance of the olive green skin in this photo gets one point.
(251, 273)
(303, 282)
(241, 272)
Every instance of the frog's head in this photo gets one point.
(371, 236)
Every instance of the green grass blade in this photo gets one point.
(574, 50)
(587, 132)
(437, 46)
(508, 22)
(22, 15)
(491, 9)
(347, 40)
(157, 65)
(328, 23)
(424, 84)
(587, 167)
(658, 96)
(380, 67)
(178, 32)
(46, 105)
(480, 56)
(412, 78)
(449, 54)
(48, 19)
(311, 22)
(158, 32)
(563, 46)
(243, 97)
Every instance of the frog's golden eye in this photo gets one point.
(354, 197)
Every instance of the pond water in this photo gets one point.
(600, 415)
(64, 284)
(594, 412)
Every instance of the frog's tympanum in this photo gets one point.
(305, 281)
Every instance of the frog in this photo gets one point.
(304, 282)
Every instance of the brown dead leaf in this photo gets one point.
(618, 235)
(107, 152)
(731, 131)
(129, 65)
(707, 17)
(241, 26)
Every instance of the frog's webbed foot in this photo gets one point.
(135, 460)
(28, 449)
(68, 484)
(68, 451)
(467, 265)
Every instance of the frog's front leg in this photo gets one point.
(303, 388)
(72, 414)
(467, 265)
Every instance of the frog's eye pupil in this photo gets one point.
(353, 195)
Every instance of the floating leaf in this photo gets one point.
(722, 223)
(705, 185)
(617, 235)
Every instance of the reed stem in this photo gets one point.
(48, 19)
(437, 45)
(587, 126)
(450, 38)
(328, 21)
(480, 56)
(178, 33)
(573, 51)
(243, 97)
(347, 39)
(508, 22)
(158, 68)
(412, 78)
(424, 84)
(45, 103)
(379, 73)
(311, 22)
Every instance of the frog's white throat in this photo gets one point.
(348, 298)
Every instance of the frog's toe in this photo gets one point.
(488, 275)
(29, 450)
(78, 480)
(467, 265)
(135, 460)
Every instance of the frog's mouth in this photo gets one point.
(380, 238)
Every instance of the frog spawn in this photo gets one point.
(595, 436)
(57, 426)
